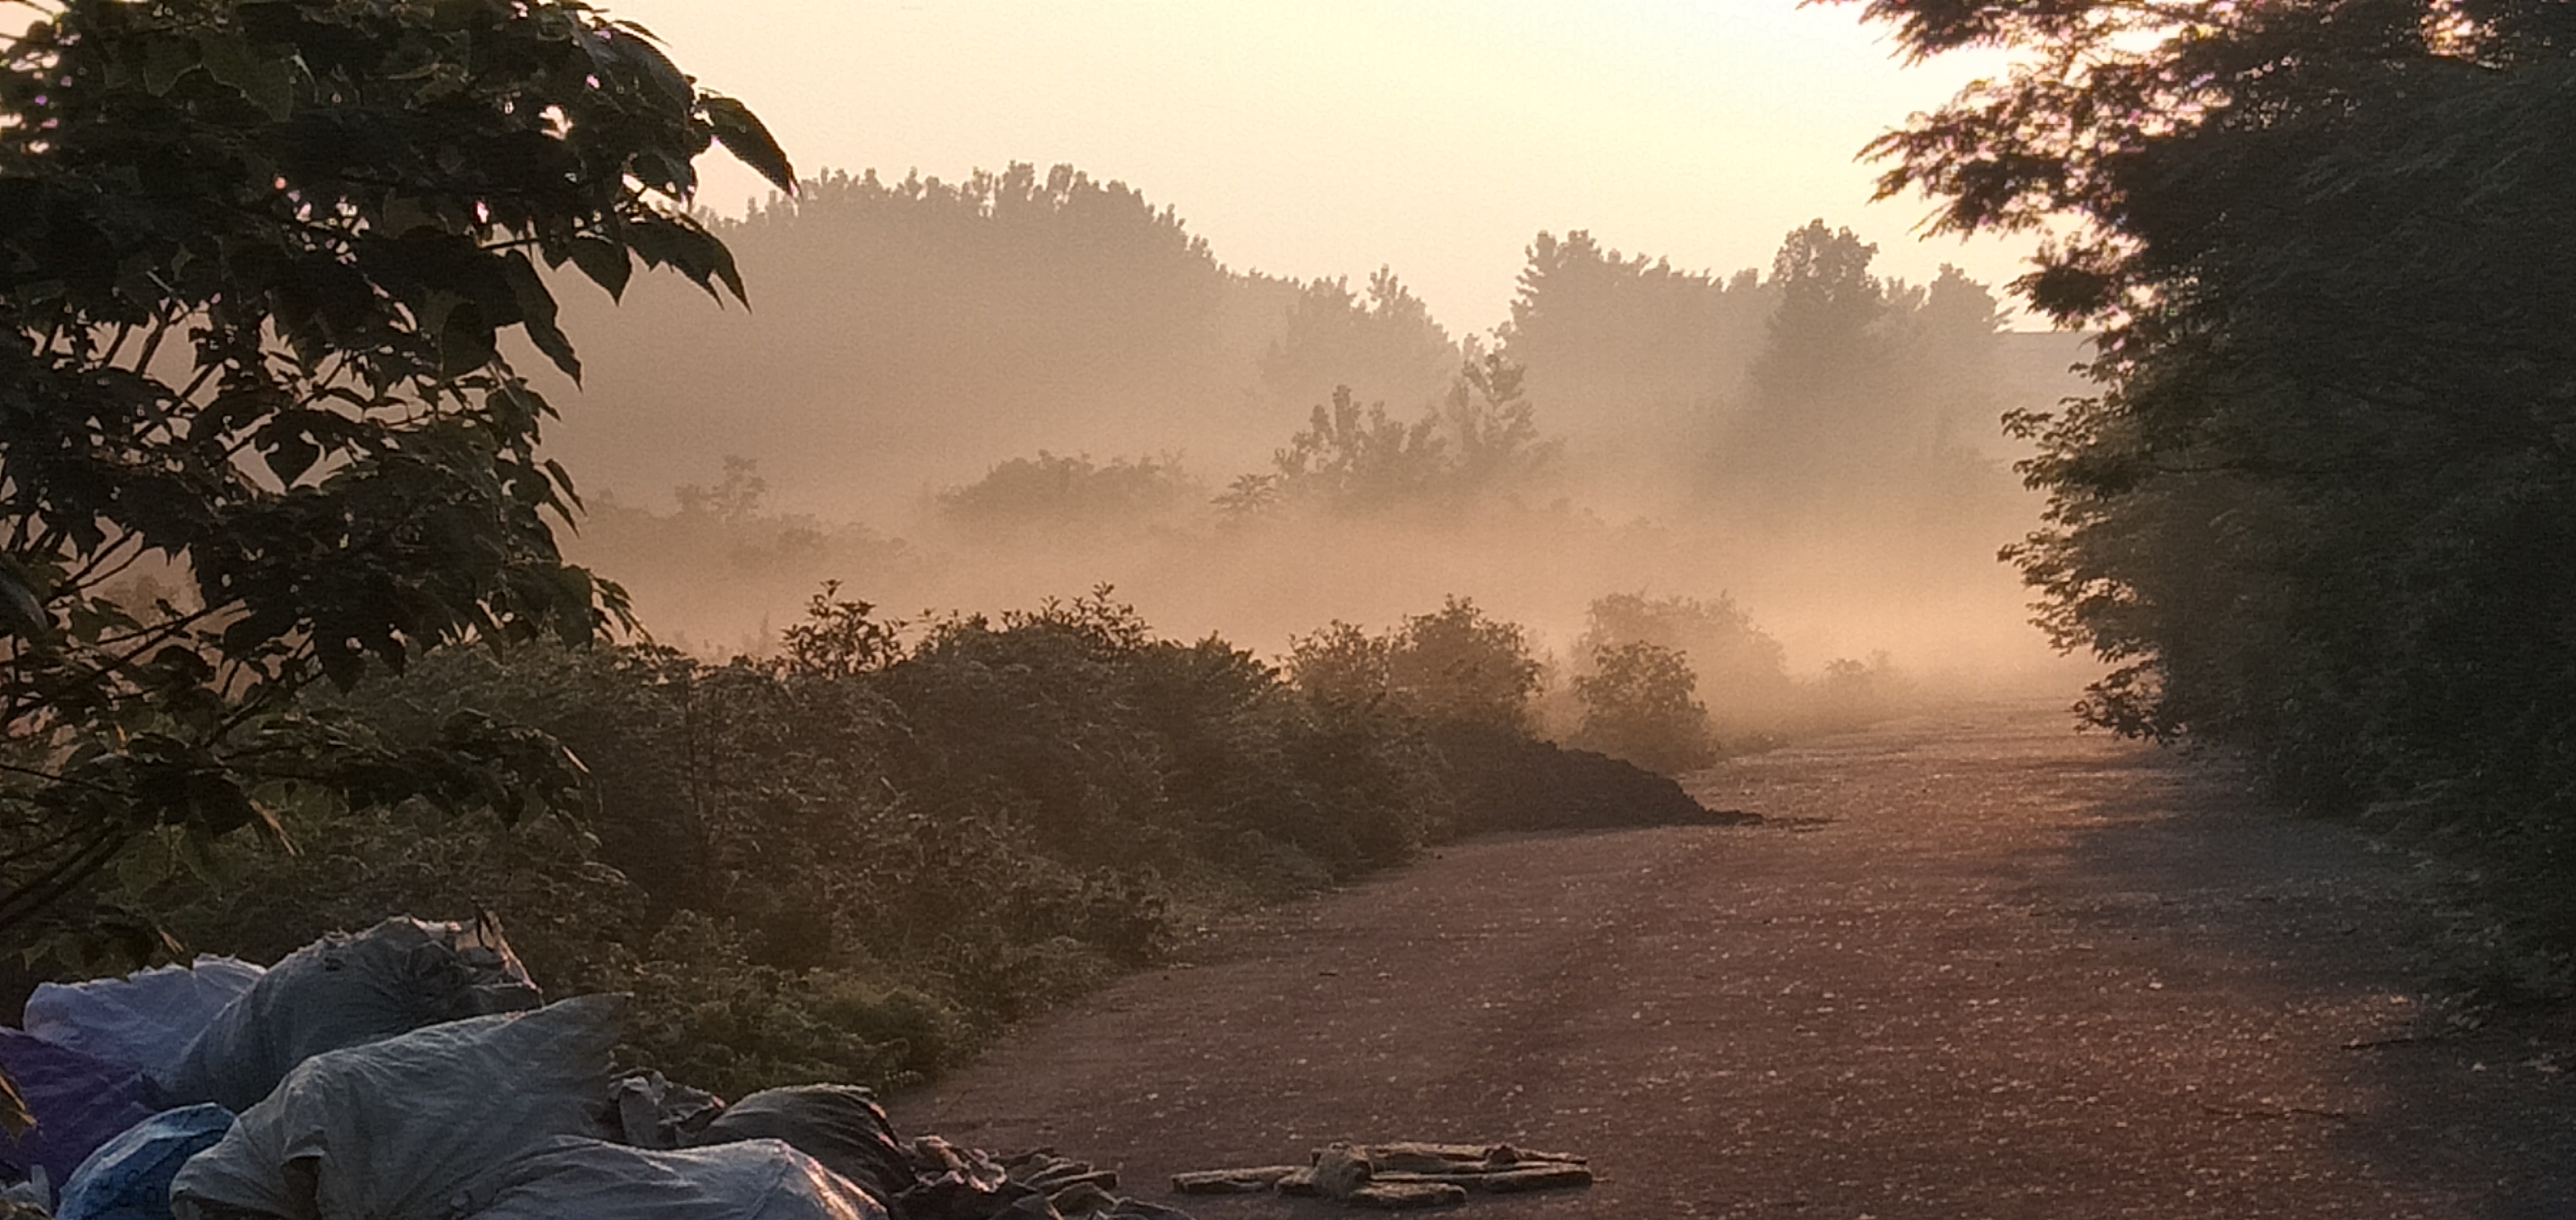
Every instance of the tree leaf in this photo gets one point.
(605, 262)
(290, 455)
(743, 135)
(537, 312)
(195, 848)
(268, 80)
(622, 44)
(21, 611)
(145, 862)
(165, 60)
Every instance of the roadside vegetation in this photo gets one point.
(857, 858)
(2319, 510)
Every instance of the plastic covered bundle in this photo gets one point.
(405, 1128)
(838, 1124)
(344, 991)
(79, 1102)
(751, 1180)
(146, 1019)
(128, 1178)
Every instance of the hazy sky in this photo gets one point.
(1327, 137)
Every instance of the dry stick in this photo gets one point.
(2288, 1112)
(2363, 1044)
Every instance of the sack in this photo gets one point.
(753, 1180)
(839, 1125)
(79, 1102)
(344, 991)
(402, 1129)
(128, 1178)
(145, 1019)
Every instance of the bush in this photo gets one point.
(856, 860)
(1741, 672)
(1637, 706)
(1457, 665)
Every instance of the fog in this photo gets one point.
(980, 394)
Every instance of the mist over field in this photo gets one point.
(979, 394)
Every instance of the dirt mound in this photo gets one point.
(1507, 782)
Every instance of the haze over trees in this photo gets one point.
(992, 369)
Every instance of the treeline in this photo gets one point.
(1037, 381)
(2323, 509)
(854, 859)
(907, 335)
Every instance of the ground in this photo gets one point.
(1974, 965)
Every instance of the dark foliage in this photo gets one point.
(1638, 705)
(854, 860)
(2320, 510)
(257, 261)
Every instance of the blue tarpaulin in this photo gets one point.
(80, 1102)
(129, 1177)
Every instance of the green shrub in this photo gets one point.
(855, 861)
(1637, 705)
(1455, 664)
(1741, 672)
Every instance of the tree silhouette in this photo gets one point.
(257, 263)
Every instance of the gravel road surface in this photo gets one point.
(1974, 965)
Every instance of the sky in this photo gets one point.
(1318, 138)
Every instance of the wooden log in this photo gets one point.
(1248, 1181)
(1401, 1196)
(1503, 1181)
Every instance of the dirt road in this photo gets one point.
(1975, 966)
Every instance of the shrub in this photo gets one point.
(1742, 673)
(1456, 664)
(1637, 705)
(857, 860)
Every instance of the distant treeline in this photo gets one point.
(1038, 381)
(907, 335)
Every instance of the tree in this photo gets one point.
(1825, 411)
(1644, 349)
(1477, 447)
(259, 261)
(1383, 343)
(1053, 493)
(2321, 508)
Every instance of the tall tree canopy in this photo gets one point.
(258, 262)
(2326, 503)
(1381, 343)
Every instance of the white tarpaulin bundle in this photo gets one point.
(344, 991)
(413, 1127)
(752, 1180)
